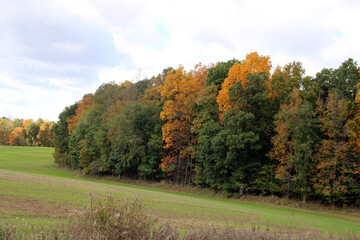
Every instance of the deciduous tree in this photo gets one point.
(82, 106)
(61, 136)
(5, 130)
(45, 136)
(136, 140)
(252, 64)
(293, 144)
(179, 93)
(31, 130)
(333, 168)
(17, 137)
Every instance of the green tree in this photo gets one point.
(341, 81)
(344, 80)
(285, 80)
(207, 117)
(61, 136)
(242, 139)
(225, 153)
(207, 111)
(31, 130)
(219, 73)
(17, 122)
(230, 156)
(136, 140)
(296, 130)
(85, 141)
(210, 150)
(254, 99)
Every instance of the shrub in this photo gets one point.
(113, 219)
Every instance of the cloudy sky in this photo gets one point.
(53, 52)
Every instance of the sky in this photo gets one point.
(53, 52)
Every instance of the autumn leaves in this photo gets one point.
(235, 126)
(252, 64)
(20, 132)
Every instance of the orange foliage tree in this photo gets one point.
(252, 64)
(26, 122)
(17, 137)
(178, 93)
(126, 84)
(81, 108)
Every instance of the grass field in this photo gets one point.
(33, 191)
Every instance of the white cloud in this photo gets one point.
(54, 52)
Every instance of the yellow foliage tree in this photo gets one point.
(44, 136)
(178, 93)
(252, 64)
(5, 130)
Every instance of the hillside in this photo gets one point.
(34, 192)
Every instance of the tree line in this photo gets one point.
(240, 127)
(19, 132)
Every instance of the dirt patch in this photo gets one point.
(13, 204)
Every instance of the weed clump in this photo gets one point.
(7, 232)
(110, 219)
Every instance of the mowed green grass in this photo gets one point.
(33, 191)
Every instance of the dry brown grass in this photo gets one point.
(33, 206)
(228, 233)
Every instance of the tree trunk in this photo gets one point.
(186, 174)
(190, 173)
(241, 191)
(304, 193)
(288, 190)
